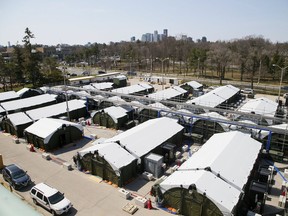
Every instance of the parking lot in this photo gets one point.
(87, 193)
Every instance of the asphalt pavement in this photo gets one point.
(87, 193)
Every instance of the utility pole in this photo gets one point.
(66, 97)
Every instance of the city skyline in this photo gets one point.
(71, 22)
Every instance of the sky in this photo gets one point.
(81, 21)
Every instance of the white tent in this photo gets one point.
(215, 97)
(145, 137)
(19, 118)
(214, 115)
(133, 88)
(46, 127)
(8, 95)
(115, 112)
(27, 102)
(55, 110)
(194, 84)
(262, 106)
(114, 154)
(169, 93)
(222, 155)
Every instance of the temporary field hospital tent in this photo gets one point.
(119, 81)
(157, 110)
(104, 86)
(219, 97)
(175, 93)
(48, 133)
(137, 89)
(112, 117)
(206, 127)
(278, 142)
(120, 158)
(77, 109)
(28, 103)
(259, 106)
(110, 101)
(8, 96)
(27, 92)
(149, 136)
(193, 87)
(214, 179)
(16, 123)
(109, 161)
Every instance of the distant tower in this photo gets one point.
(165, 32)
(155, 36)
(204, 39)
(9, 45)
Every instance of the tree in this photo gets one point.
(32, 60)
(51, 74)
(18, 60)
(220, 55)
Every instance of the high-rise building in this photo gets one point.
(165, 32)
(204, 39)
(155, 36)
(148, 37)
(133, 39)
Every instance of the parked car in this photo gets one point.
(247, 91)
(50, 198)
(15, 176)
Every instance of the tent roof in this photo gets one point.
(216, 116)
(133, 88)
(113, 153)
(261, 106)
(27, 102)
(19, 118)
(146, 85)
(223, 153)
(145, 137)
(280, 126)
(223, 147)
(99, 86)
(222, 194)
(194, 84)
(22, 91)
(121, 77)
(216, 96)
(8, 95)
(115, 112)
(46, 127)
(168, 93)
(55, 109)
(115, 98)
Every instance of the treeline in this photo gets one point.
(250, 58)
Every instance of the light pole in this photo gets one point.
(162, 69)
(66, 97)
(281, 78)
(198, 67)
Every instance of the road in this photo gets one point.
(88, 196)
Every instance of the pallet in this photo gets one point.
(130, 208)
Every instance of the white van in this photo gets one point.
(50, 198)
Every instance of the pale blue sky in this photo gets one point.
(102, 21)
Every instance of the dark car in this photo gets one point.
(15, 176)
